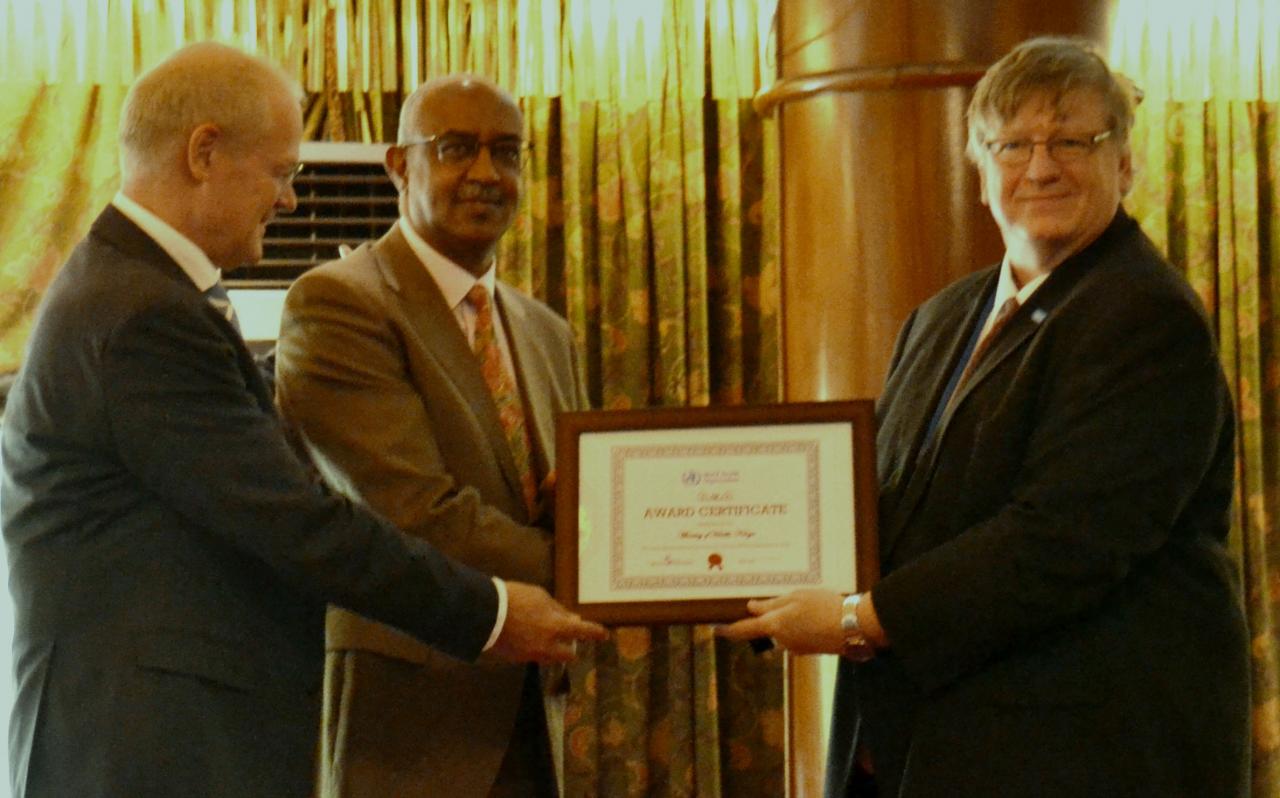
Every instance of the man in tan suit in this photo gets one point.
(428, 390)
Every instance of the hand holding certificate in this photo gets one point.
(682, 515)
(805, 621)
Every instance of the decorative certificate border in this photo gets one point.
(832, 504)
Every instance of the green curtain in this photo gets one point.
(650, 220)
(1208, 191)
(1220, 208)
(659, 213)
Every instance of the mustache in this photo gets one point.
(481, 192)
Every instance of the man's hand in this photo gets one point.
(539, 630)
(803, 622)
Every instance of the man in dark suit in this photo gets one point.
(383, 371)
(1058, 615)
(170, 557)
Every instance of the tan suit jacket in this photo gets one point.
(376, 375)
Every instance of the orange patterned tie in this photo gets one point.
(505, 395)
(1003, 315)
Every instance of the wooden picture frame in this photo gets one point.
(610, 457)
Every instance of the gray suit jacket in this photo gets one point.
(1063, 615)
(382, 386)
(170, 558)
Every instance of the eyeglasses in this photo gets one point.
(462, 149)
(285, 179)
(1017, 152)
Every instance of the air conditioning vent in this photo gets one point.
(344, 197)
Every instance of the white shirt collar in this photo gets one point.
(1006, 287)
(189, 257)
(454, 281)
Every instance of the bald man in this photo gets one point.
(428, 389)
(170, 558)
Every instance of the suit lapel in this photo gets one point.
(1023, 323)
(1010, 339)
(120, 232)
(432, 319)
(1037, 311)
(1040, 307)
(961, 316)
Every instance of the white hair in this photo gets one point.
(200, 83)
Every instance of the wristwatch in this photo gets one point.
(856, 645)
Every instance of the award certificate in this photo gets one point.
(681, 515)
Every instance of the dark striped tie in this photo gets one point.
(217, 296)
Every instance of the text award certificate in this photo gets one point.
(681, 515)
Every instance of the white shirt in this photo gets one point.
(189, 257)
(454, 283)
(197, 266)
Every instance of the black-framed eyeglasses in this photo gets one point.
(462, 149)
(1017, 152)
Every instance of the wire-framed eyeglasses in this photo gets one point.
(1065, 149)
(285, 178)
(462, 149)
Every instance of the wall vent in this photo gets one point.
(344, 197)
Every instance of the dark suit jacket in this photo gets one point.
(1063, 616)
(382, 386)
(170, 558)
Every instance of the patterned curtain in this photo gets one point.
(1208, 192)
(57, 169)
(649, 220)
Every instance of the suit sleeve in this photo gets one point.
(1130, 416)
(185, 422)
(343, 382)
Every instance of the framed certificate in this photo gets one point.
(680, 515)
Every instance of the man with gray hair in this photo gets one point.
(170, 557)
(1058, 615)
(427, 388)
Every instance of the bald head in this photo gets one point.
(205, 83)
(457, 166)
(209, 143)
(425, 104)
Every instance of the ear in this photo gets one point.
(1126, 172)
(982, 184)
(200, 148)
(393, 161)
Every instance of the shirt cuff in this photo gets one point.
(501, 620)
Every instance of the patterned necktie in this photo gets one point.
(1003, 315)
(217, 296)
(505, 396)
